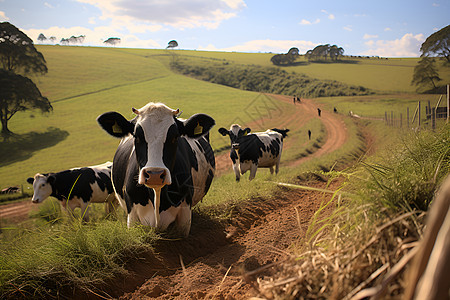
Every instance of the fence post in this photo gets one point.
(385, 118)
(419, 115)
(407, 117)
(433, 118)
(401, 120)
(448, 101)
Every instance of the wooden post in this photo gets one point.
(448, 101)
(392, 118)
(407, 117)
(385, 118)
(401, 121)
(419, 115)
(433, 118)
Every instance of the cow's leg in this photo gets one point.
(183, 220)
(253, 169)
(111, 205)
(271, 170)
(237, 172)
(132, 217)
(277, 166)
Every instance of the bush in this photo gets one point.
(265, 79)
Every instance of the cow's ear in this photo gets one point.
(115, 124)
(198, 125)
(30, 180)
(51, 179)
(247, 130)
(223, 131)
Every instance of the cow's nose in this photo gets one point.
(235, 146)
(155, 177)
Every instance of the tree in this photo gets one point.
(112, 41)
(18, 93)
(17, 52)
(437, 44)
(425, 73)
(41, 38)
(172, 44)
(285, 59)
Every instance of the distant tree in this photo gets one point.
(172, 44)
(52, 39)
(437, 44)
(321, 52)
(18, 93)
(285, 59)
(17, 52)
(425, 74)
(73, 40)
(112, 41)
(41, 38)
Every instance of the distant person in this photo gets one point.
(335, 110)
(294, 99)
(309, 134)
(319, 111)
(298, 100)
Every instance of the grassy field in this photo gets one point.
(85, 82)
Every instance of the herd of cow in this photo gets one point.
(163, 166)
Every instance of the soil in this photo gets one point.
(221, 259)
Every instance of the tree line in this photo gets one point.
(319, 53)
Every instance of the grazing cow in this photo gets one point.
(76, 188)
(250, 151)
(163, 165)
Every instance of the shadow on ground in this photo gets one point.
(21, 147)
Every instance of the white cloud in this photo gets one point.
(306, 22)
(180, 14)
(48, 5)
(3, 16)
(94, 37)
(407, 46)
(370, 36)
(348, 28)
(275, 46)
(330, 16)
(436, 5)
(387, 29)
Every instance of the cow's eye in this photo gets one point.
(43, 184)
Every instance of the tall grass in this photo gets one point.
(42, 261)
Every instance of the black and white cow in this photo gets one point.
(76, 188)
(254, 150)
(163, 165)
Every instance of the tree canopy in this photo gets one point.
(437, 44)
(425, 74)
(17, 52)
(286, 59)
(18, 93)
(323, 51)
(172, 44)
(112, 41)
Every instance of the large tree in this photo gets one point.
(18, 93)
(437, 44)
(17, 52)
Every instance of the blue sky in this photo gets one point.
(394, 28)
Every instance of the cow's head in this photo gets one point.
(42, 186)
(155, 131)
(235, 133)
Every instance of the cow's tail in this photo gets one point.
(283, 132)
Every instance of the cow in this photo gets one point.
(163, 165)
(250, 151)
(76, 188)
